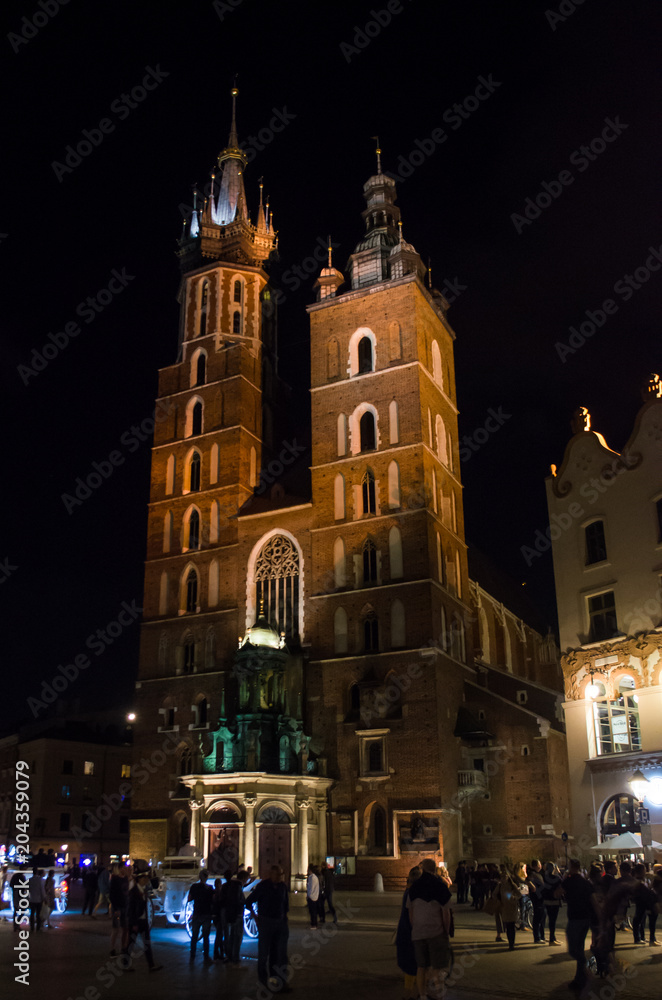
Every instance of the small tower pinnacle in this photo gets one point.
(379, 154)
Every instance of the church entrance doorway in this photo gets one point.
(275, 843)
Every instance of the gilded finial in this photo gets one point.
(330, 249)
(379, 154)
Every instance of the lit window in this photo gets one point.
(367, 432)
(125, 771)
(66, 791)
(616, 723)
(277, 583)
(619, 816)
(602, 616)
(88, 767)
(596, 548)
(368, 493)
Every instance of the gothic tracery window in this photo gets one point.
(277, 583)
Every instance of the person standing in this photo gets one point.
(233, 917)
(312, 896)
(551, 895)
(36, 891)
(217, 920)
(578, 893)
(430, 916)
(536, 886)
(138, 919)
(118, 899)
(328, 885)
(460, 875)
(49, 897)
(202, 897)
(271, 896)
(404, 946)
(645, 902)
(103, 885)
(509, 895)
(90, 884)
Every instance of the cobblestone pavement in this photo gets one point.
(354, 960)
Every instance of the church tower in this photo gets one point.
(389, 596)
(219, 731)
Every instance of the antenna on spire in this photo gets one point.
(429, 273)
(379, 154)
(233, 141)
(260, 181)
(330, 249)
(400, 231)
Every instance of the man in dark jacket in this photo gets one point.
(232, 916)
(430, 915)
(536, 886)
(202, 897)
(578, 894)
(327, 885)
(271, 896)
(138, 919)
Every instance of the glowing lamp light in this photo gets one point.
(131, 717)
(592, 690)
(639, 785)
(654, 791)
(64, 847)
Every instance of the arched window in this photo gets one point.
(237, 290)
(596, 546)
(170, 474)
(194, 472)
(201, 712)
(200, 369)
(616, 722)
(192, 531)
(339, 497)
(393, 423)
(167, 531)
(191, 591)
(369, 562)
(340, 630)
(196, 421)
(339, 572)
(188, 665)
(375, 757)
(371, 633)
(332, 358)
(367, 431)
(395, 552)
(236, 322)
(204, 308)
(398, 638)
(442, 453)
(393, 485)
(213, 583)
(277, 584)
(619, 816)
(368, 492)
(377, 837)
(436, 364)
(342, 434)
(365, 355)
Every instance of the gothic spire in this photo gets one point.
(232, 160)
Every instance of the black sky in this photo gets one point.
(119, 209)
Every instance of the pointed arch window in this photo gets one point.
(393, 423)
(167, 531)
(436, 364)
(200, 369)
(236, 322)
(212, 586)
(365, 355)
(339, 572)
(170, 474)
(367, 431)
(192, 531)
(369, 562)
(201, 713)
(368, 493)
(342, 434)
(393, 485)
(371, 633)
(191, 595)
(395, 552)
(194, 472)
(442, 452)
(237, 290)
(277, 583)
(339, 497)
(188, 665)
(196, 419)
(204, 308)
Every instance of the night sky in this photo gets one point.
(333, 78)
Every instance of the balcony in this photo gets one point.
(471, 785)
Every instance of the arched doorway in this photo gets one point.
(275, 841)
(223, 856)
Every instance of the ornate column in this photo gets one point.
(322, 832)
(196, 819)
(303, 805)
(249, 831)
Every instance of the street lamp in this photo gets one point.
(639, 785)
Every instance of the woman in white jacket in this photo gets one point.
(312, 896)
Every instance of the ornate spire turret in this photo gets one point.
(232, 160)
(329, 279)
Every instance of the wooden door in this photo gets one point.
(223, 850)
(275, 849)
